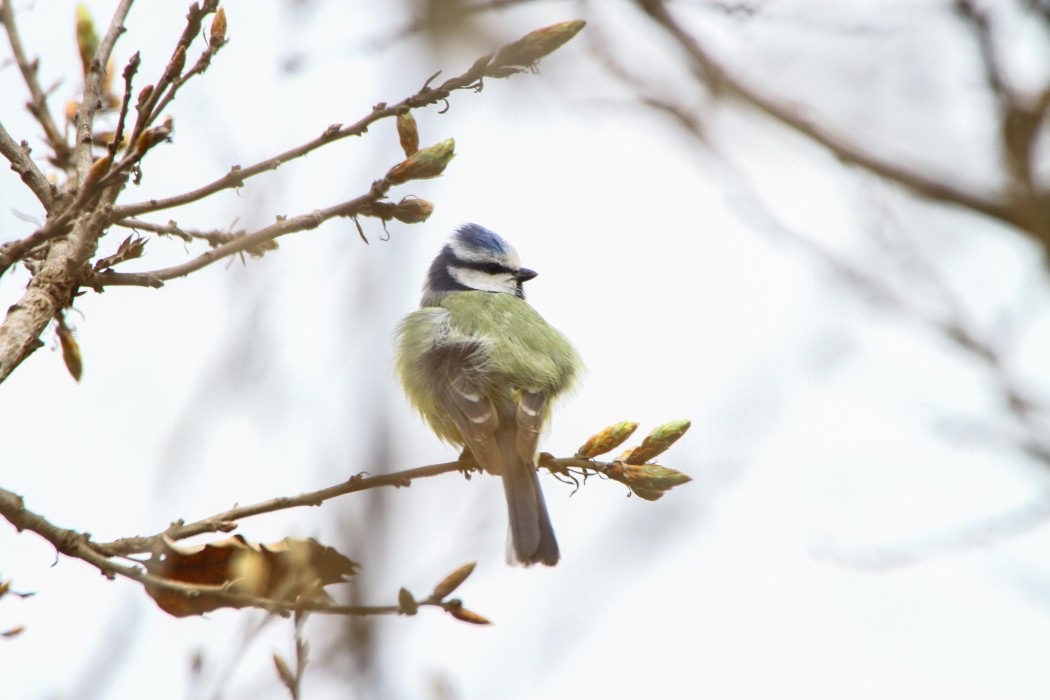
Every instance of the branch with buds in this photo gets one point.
(63, 255)
(290, 576)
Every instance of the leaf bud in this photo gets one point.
(657, 442)
(408, 133)
(453, 581)
(406, 604)
(413, 210)
(607, 440)
(87, 38)
(537, 44)
(217, 35)
(427, 163)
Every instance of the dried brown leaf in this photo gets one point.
(284, 571)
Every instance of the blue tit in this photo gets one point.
(484, 369)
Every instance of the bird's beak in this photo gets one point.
(525, 274)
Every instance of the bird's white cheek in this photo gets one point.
(482, 281)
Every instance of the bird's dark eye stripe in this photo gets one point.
(489, 267)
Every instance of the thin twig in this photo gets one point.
(147, 111)
(226, 521)
(213, 238)
(122, 114)
(38, 98)
(18, 155)
(237, 175)
(240, 244)
(710, 72)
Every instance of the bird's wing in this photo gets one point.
(471, 411)
(531, 408)
(508, 449)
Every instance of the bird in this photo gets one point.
(484, 370)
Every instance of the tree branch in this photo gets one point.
(710, 72)
(18, 155)
(241, 244)
(79, 546)
(38, 98)
(237, 175)
(227, 521)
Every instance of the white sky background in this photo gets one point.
(850, 531)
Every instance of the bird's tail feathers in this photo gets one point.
(532, 538)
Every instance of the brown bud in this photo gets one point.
(408, 133)
(98, 170)
(406, 604)
(453, 581)
(70, 350)
(217, 35)
(72, 107)
(178, 62)
(151, 137)
(144, 95)
(460, 613)
(413, 210)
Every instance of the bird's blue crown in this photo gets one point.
(473, 236)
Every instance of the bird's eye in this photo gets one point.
(493, 268)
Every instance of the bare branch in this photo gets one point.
(93, 89)
(227, 521)
(237, 175)
(241, 244)
(21, 163)
(129, 74)
(1019, 120)
(163, 91)
(214, 238)
(38, 98)
(79, 545)
(709, 71)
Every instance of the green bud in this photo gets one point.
(427, 163)
(87, 39)
(607, 440)
(657, 442)
(537, 44)
(648, 481)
